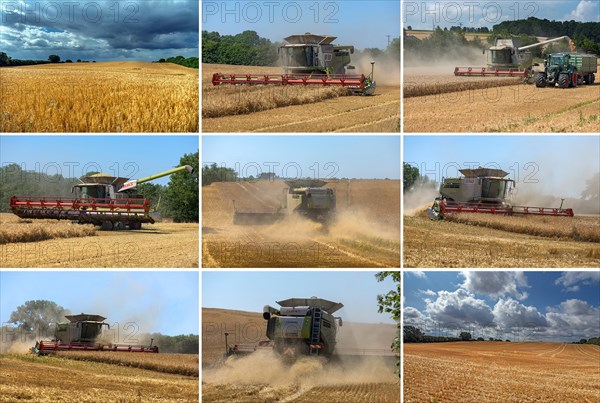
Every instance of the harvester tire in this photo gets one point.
(106, 226)
(540, 80)
(134, 225)
(563, 80)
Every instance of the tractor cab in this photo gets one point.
(99, 186)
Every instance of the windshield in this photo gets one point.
(500, 57)
(298, 57)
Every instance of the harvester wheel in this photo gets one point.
(563, 80)
(540, 80)
(119, 226)
(134, 225)
(106, 226)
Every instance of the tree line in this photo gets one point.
(7, 61)
(412, 334)
(191, 62)
(178, 200)
(250, 49)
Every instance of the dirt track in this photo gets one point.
(366, 232)
(263, 378)
(156, 245)
(524, 372)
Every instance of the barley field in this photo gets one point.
(27, 377)
(14, 229)
(99, 97)
(501, 371)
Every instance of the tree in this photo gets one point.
(38, 315)
(390, 303)
(592, 190)
(582, 341)
(78, 60)
(54, 59)
(182, 193)
(4, 59)
(162, 60)
(465, 336)
(68, 61)
(411, 174)
(480, 339)
(412, 334)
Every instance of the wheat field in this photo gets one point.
(99, 97)
(14, 229)
(28, 377)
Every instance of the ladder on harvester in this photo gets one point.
(315, 332)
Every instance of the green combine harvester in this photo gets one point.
(104, 200)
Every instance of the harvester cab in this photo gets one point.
(310, 199)
(82, 333)
(303, 326)
(100, 199)
(483, 190)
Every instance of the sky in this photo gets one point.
(101, 30)
(165, 302)
(487, 13)
(306, 156)
(73, 156)
(520, 306)
(250, 291)
(348, 20)
(556, 165)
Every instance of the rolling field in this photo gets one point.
(366, 232)
(262, 377)
(156, 245)
(99, 97)
(228, 108)
(26, 377)
(477, 240)
(501, 371)
(482, 104)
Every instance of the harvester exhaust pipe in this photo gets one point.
(372, 70)
(151, 341)
(226, 344)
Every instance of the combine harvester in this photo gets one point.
(300, 327)
(305, 197)
(81, 334)
(508, 59)
(309, 60)
(484, 190)
(103, 200)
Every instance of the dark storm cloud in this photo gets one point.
(101, 26)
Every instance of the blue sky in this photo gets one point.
(425, 14)
(99, 30)
(349, 20)
(351, 156)
(548, 306)
(559, 164)
(165, 302)
(127, 156)
(250, 291)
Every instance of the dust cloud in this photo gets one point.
(453, 56)
(16, 346)
(366, 335)
(417, 200)
(386, 69)
(264, 367)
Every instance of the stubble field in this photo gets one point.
(156, 245)
(99, 97)
(501, 371)
(366, 232)
(228, 108)
(262, 377)
(437, 101)
(481, 240)
(27, 377)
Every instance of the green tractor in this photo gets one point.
(567, 70)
